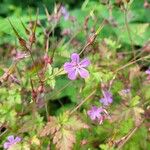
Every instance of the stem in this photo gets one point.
(3, 133)
(129, 136)
(84, 48)
(34, 63)
(121, 68)
(82, 102)
(53, 76)
(128, 30)
(46, 109)
(60, 90)
(93, 37)
(132, 62)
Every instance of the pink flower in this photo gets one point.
(11, 141)
(148, 73)
(64, 12)
(126, 91)
(76, 67)
(97, 114)
(20, 55)
(107, 99)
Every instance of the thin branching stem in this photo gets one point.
(82, 102)
(132, 62)
(93, 37)
(129, 136)
(128, 30)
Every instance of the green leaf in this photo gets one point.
(139, 33)
(6, 28)
(74, 123)
(63, 130)
(106, 147)
(134, 101)
(66, 141)
(51, 127)
(126, 126)
(68, 89)
(49, 69)
(1, 71)
(138, 140)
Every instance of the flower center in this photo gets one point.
(76, 65)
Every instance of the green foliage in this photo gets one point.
(134, 101)
(126, 126)
(50, 77)
(105, 147)
(70, 90)
(63, 130)
(47, 110)
(140, 138)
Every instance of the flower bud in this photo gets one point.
(41, 89)
(32, 38)
(22, 42)
(47, 59)
(34, 94)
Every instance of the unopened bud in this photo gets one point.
(34, 94)
(22, 42)
(84, 142)
(41, 89)
(92, 30)
(66, 32)
(32, 38)
(146, 4)
(47, 59)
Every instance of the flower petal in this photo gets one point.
(107, 99)
(75, 57)
(68, 67)
(65, 13)
(10, 138)
(95, 112)
(104, 101)
(147, 71)
(17, 139)
(83, 72)
(72, 75)
(110, 100)
(6, 145)
(125, 91)
(85, 62)
(91, 115)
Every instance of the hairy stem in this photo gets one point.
(128, 30)
(82, 102)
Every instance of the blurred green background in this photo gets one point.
(138, 17)
(10, 7)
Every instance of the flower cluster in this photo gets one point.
(11, 140)
(99, 114)
(76, 68)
